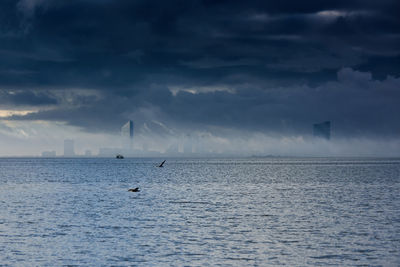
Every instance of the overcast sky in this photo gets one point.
(221, 69)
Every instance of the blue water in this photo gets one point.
(199, 212)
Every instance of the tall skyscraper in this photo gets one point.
(127, 134)
(69, 148)
(322, 130)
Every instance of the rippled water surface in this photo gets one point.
(198, 212)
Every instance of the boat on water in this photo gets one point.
(119, 156)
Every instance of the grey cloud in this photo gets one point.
(356, 104)
(26, 98)
(4, 128)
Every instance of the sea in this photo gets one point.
(200, 212)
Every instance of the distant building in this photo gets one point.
(127, 134)
(69, 148)
(48, 154)
(322, 130)
(88, 153)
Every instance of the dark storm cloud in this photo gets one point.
(356, 104)
(282, 61)
(26, 98)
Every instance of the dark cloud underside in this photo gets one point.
(261, 65)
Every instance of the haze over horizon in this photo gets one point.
(230, 77)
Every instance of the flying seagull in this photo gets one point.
(136, 189)
(162, 164)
